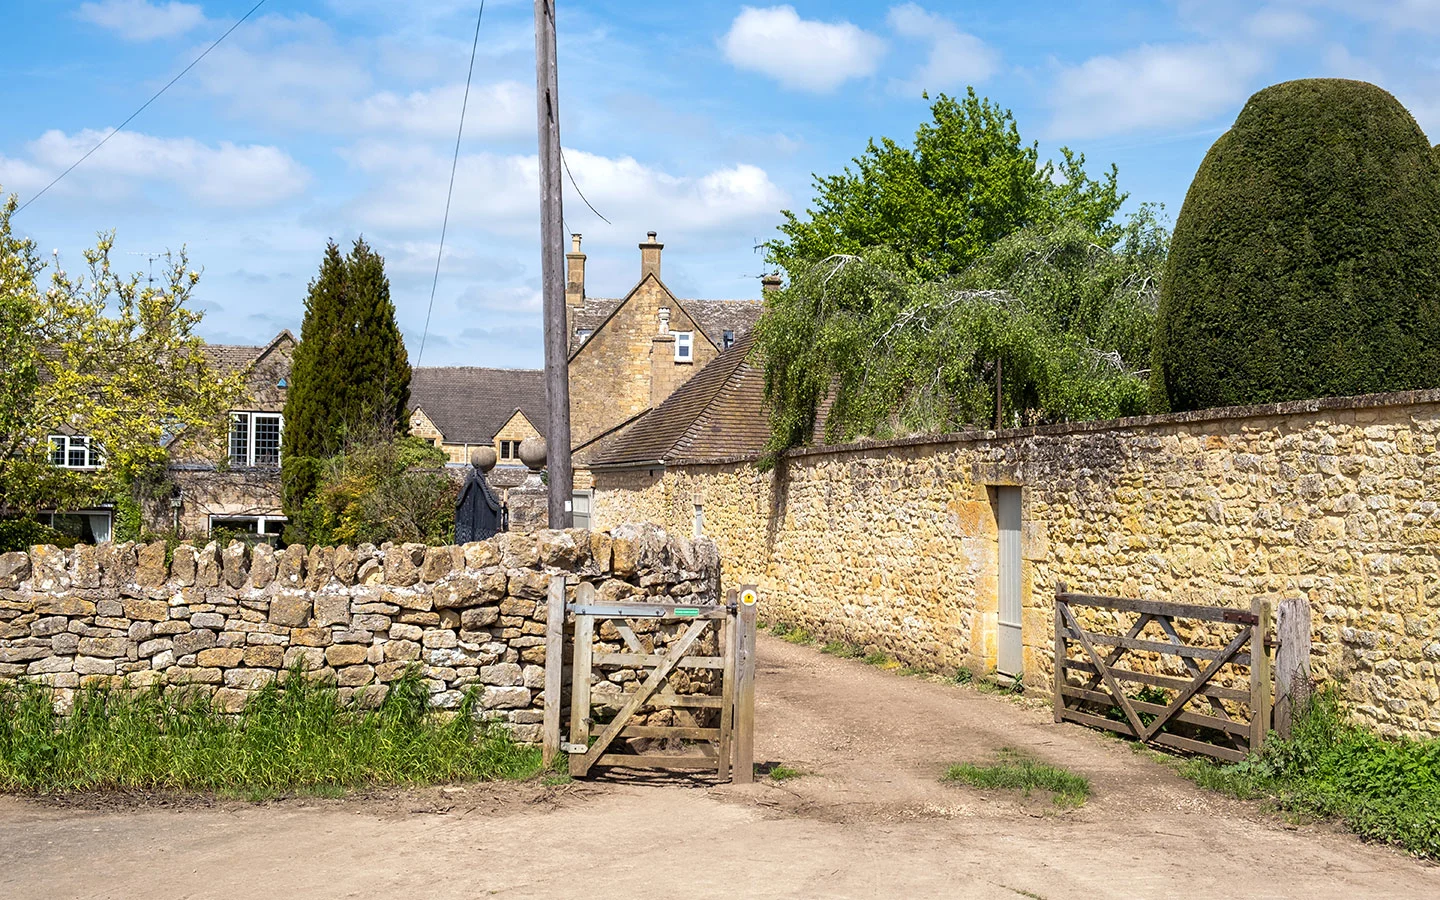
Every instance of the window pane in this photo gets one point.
(267, 440)
(239, 440)
(57, 449)
(78, 457)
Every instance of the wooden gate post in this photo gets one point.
(1259, 675)
(745, 688)
(1062, 650)
(554, 667)
(1292, 663)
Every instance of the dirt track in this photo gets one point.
(870, 819)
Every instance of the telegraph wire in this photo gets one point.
(454, 164)
(566, 163)
(106, 139)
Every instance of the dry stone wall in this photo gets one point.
(229, 620)
(894, 545)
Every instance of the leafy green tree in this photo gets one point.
(1306, 259)
(102, 356)
(350, 372)
(968, 181)
(895, 356)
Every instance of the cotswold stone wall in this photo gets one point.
(894, 545)
(230, 620)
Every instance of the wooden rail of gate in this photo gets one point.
(729, 745)
(1219, 731)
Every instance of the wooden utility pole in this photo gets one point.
(552, 268)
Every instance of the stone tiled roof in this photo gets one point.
(714, 317)
(591, 316)
(469, 403)
(231, 358)
(718, 414)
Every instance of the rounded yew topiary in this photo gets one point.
(1306, 259)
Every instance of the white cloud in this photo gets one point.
(500, 192)
(502, 109)
(1275, 23)
(1150, 87)
(802, 54)
(224, 175)
(956, 58)
(138, 20)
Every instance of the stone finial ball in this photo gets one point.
(483, 458)
(532, 453)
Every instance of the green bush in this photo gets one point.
(295, 735)
(1385, 790)
(379, 489)
(1306, 259)
(22, 534)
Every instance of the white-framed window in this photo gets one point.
(74, 451)
(255, 439)
(89, 526)
(699, 521)
(583, 334)
(266, 528)
(684, 346)
(726, 339)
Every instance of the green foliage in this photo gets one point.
(968, 181)
(901, 356)
(1014, 770)
(1306, 259)
(782, 772)
(1384, 790)
(22, 534)
(290, 736)
(350, 374)
(378, 489)
(101, 355)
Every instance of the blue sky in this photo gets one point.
(697, 120)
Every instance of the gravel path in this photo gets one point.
(870, 818)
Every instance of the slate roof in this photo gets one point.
(718, 414)
(469, 403)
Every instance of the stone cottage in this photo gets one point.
(628, 355)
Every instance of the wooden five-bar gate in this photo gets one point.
(1237, 706)
(724, 742)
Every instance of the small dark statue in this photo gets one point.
(478, 515)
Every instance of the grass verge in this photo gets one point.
(1382, 789)
(292, 737)
(1014, 770)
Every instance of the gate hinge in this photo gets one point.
(567, 747)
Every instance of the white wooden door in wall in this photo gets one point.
(1009, 656)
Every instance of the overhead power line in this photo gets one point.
(105, 140)
(454, 164)
(566, 163)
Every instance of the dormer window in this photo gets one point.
(583, 334)
(684, 346)
(726, 339)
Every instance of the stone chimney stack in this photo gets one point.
(574, 274)
(650, 256)
(771, 283)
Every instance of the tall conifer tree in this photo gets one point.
(350, 374)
